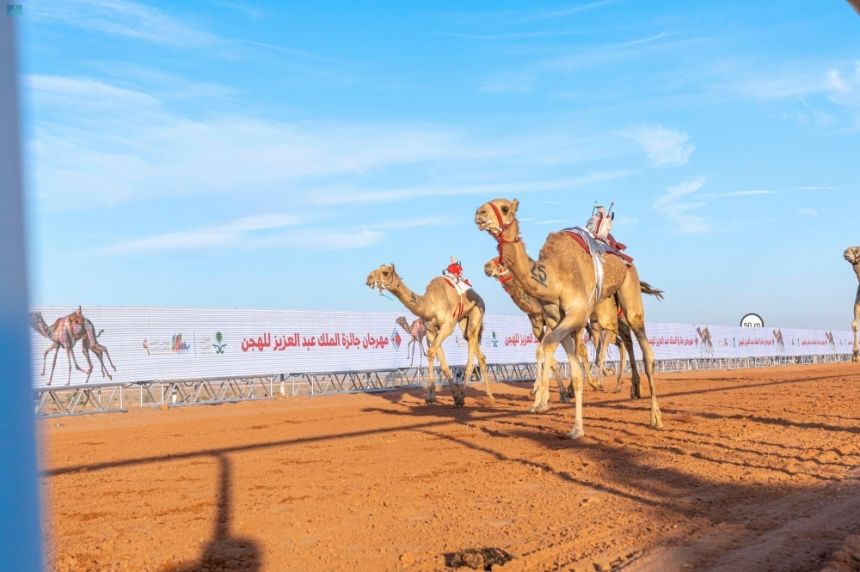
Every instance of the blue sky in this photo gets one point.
(241, 154)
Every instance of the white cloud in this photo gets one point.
(808, 212)
(673, 205)
(96, 144)
(343, 197)
(245, 231)
(125, 18)
(220, 235)
(664, 147)
(750, 193)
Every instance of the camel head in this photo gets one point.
(37, 322)
(383, 278)
(852, 255)
(496, 216)
(495, 269)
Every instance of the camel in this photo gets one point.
(442, 309)
(539, 314)
(65, 332)
(417, 334)
(605, 321)
(852, 255)
(565, 275)
(779, 340)
(707, 346)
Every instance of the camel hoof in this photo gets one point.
(576, 433)
(428, 399)
(491, 399)
(564, 397)
(539, 409)
(657, 421)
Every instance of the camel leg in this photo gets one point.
(472, 329)
(573, 350)
(86, 350)
(71, 350)
(630, 296)
(101, 352)
(458, 392)
(53, 365)
(54, 346)
(485, 374)
(69, 357)
(445, 330)
(635, 381)
(619, 383)
(574, 320)
(585, 363)
(430, 393)
(470, 357)
(855, 325)
(575, 314)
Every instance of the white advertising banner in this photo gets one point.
(149, 344)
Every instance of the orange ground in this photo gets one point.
(754, 470)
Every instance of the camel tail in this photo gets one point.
(648, 289)
(102, 330)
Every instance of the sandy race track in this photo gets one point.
(754, 470)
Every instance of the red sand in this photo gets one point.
(755, 470)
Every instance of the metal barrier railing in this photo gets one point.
(117, 397)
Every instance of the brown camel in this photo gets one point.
(539, 314)
(65, 332)
(442, 309)
(852, 255)
(605, 322)
(565, 275)
(417, 333)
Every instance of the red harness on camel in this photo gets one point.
(461, 304)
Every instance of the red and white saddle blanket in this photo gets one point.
(593, 245)
(460, 286)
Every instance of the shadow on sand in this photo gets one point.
(225, 551)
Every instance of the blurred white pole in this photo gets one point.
(20, 538)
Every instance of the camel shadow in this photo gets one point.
(225, 551)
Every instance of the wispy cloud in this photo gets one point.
(220, 235)
(808, 212)
(674, 205)
(96, 144)
(750, 193)
(128, 19)
(664, 147)
(249, 232)
(496, 189)
(826, 94)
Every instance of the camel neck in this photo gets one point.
(857, 270)
(413, 302)
(529, 275)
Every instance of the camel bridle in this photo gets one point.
(503, 277)
(502, 227)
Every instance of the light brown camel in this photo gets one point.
(565, 275)
(606, 326)
(539, 314)
(442, 309)
(852, 255)
(417, 333)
